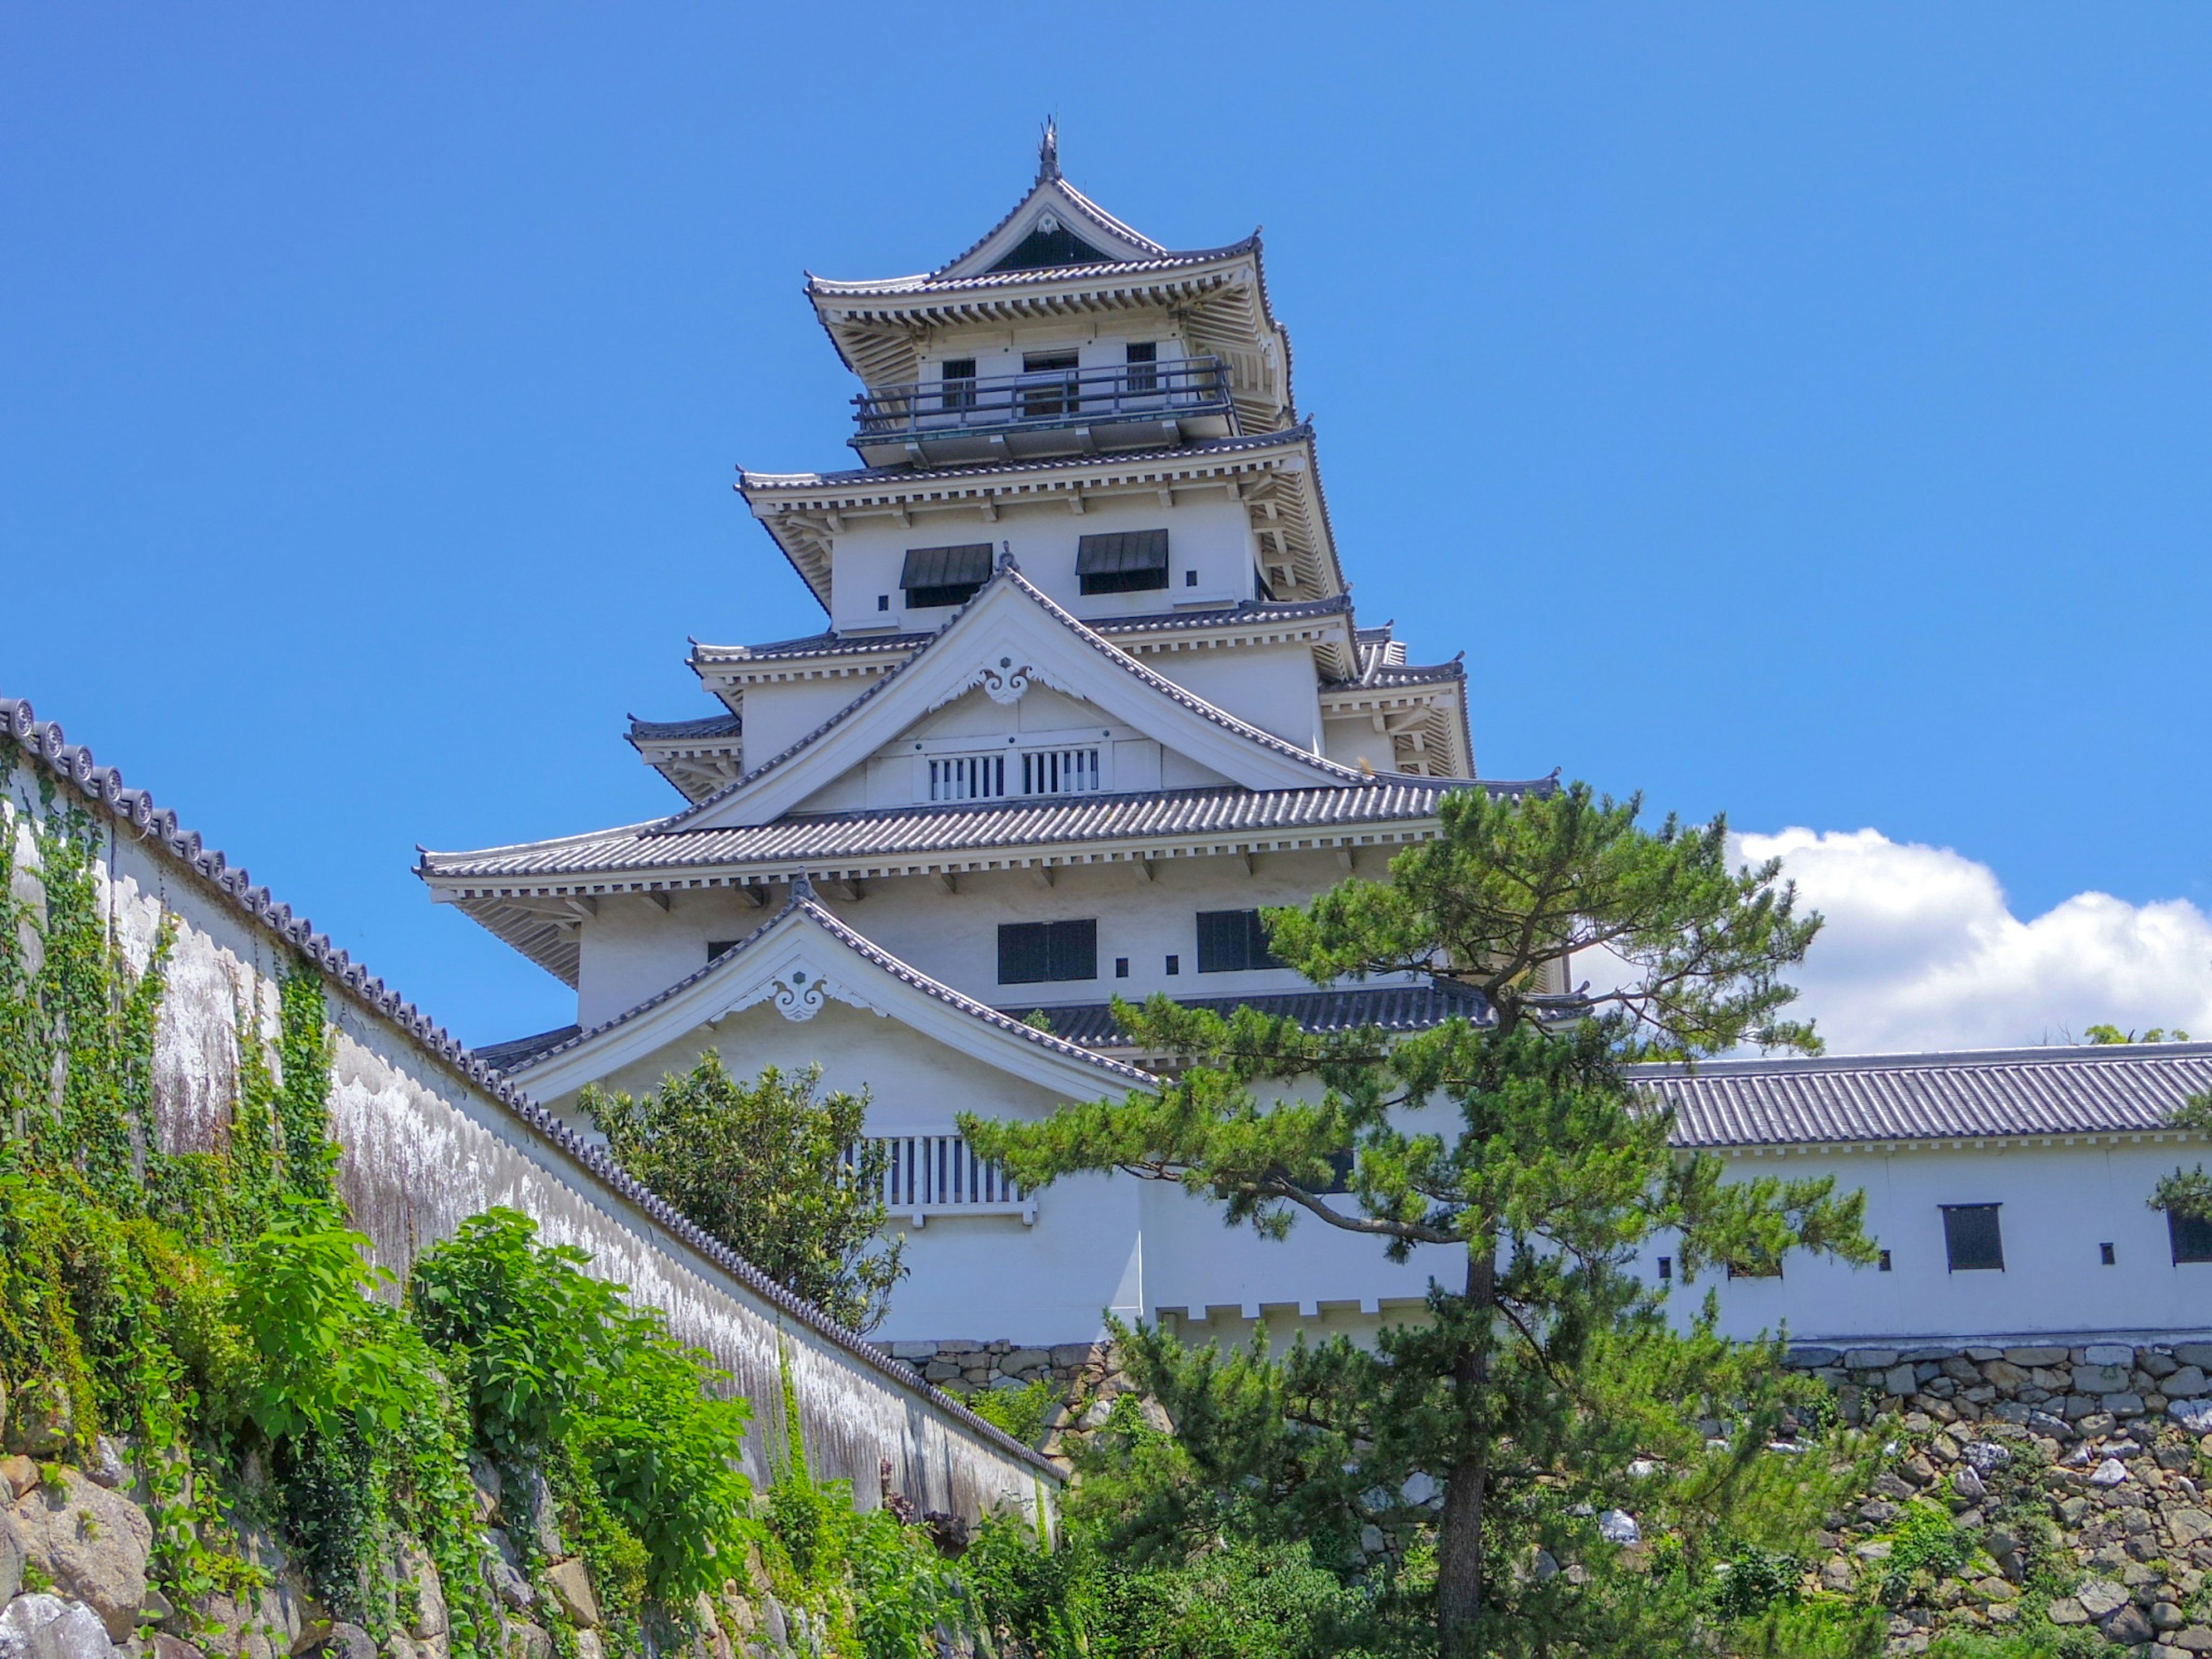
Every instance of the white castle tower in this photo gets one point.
(1091, 692)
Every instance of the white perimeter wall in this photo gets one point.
(424, 1150)
(2060, 1202)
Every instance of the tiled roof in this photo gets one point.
(901, 477)
(803, 901)
(1394, 1008)
(505, 1057)
(1009, 574)
(710, 726)
(133, 811)
(823, 840)
(933, 284)
(1247, 613)
(1968, 1095)
(1385, 675)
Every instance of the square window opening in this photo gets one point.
(1232, 941)
(1143, 357)
(1666, 1267)
(935, 577)
(2105, 1255)
(1121, 967)
(1122, 561)
(1973, 1240)
(1175, 966)
(956, 383)
(1884, 1264)
(2190, 1236)
(1190, 579)
(1035, 952)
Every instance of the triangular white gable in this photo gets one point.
(1067, 206)
(1009, 636)
(800, 958)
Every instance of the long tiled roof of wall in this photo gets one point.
(1966, 1095)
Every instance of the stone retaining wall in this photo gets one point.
(2020, 1383)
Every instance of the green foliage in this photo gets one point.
(1528, 1391)
(1237, 1598)
(1922, 1541)
(328, 1355)
(762, 1166)
(1754, 1579)
(1019, 1413)
(549, 1358)
(2187, 1192)
(2103, 1035)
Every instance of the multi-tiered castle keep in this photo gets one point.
(1091, 692)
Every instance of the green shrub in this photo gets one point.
(1020, 1414)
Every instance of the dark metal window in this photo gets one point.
(1666, 1267)
(1144, 374)
(1190, 579)
(1884, 1266)
(1230, 941)
(1175, 966)
(2190, 1236)
(716, 947)
(1044, 398)
(1033, 952)
(956, 383)
(935, 576)
(1972, 1239)
(1121, 967)
(2105, 1257)
(1125, 562)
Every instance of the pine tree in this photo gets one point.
(1548, 1366)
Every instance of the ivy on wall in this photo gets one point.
(213, 1310)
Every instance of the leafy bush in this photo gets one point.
(1754, 1580)
(762, 1167)
(557, 1369)
(1019, 1413)
(1922, 1539)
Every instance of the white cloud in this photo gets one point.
(1922, 951)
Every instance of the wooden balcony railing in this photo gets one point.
(938, 1175)
(1182, 397)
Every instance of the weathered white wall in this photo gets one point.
(424, 1148)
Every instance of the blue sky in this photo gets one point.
(1795, 412)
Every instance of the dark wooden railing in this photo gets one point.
(1062, 397)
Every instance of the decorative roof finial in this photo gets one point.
(1048, 150)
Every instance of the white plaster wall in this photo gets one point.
(1209, 534)
(1098, 344)
(632, 949)
(1272, 686)
(2060, 1203)
(423, 1150)
(779, 713)
(1348, 742)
